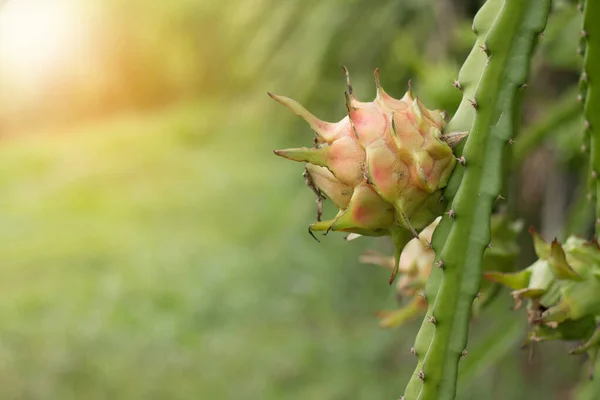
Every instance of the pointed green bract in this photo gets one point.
(542, 249)
(558, 262)
(562, 292)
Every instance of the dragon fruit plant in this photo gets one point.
(562, 288)
(392, 166)
(417, 259)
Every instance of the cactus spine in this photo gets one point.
(507, 31)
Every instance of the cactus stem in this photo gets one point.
(510, 28)
(591, 43)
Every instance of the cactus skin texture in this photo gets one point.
(491, 79)
(418, 258)
(384, 165)
(563, 292)
(590, 91)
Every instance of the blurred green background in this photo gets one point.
(151, 245)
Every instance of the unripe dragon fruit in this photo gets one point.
(384, 165)
(417, 259)
(563, 292)
(414, 268)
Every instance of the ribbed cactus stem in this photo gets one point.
(492, 89)
(590, 84)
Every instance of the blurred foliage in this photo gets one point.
(152, 247)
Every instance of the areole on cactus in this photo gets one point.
(383, 165)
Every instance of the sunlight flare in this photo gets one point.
(36, 35)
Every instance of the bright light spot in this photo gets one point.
(36, 35)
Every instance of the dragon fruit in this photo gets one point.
(562, 289)
(417, 259)
(384, 165)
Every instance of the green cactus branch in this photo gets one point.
(590, 78)
(507, 33)
(467, 82)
